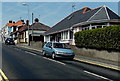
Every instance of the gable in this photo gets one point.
(101, 14)
(112, 15)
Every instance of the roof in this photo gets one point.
(10, 24)
(39, 26)
(18, 23)
(15, 24)
(23, 28)
(83, 15)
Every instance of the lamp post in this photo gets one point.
(24, 4)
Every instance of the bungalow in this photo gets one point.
(83, 19)
(36, 32)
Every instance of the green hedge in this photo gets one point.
(107, 38)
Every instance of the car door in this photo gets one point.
(49, 48)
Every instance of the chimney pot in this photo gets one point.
(10, 21)
(27, 22)
(36, 20)
(22, 21)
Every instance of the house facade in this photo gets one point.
(20, 33)
(25, 33)
(9, 28)
(36, 32)
(83, 19)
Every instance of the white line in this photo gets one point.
(30, 53)
(54, 61)
(97, 75)
(1, 78)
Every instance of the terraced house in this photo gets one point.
(83, 19)
(9, 28)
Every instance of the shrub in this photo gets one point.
(107, 38)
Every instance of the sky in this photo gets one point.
(49, 13)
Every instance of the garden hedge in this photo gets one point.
(107, 38)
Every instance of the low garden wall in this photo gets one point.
(101, 43)
(93, 53)
(37, 44)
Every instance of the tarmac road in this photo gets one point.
(23, 64)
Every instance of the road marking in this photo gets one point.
(97, 64)
(1, 78)
(3, 75)
(30, 53)
(97, 75)
(54, 61)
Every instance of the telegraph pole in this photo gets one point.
(32, 26)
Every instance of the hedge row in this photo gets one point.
(107, 38)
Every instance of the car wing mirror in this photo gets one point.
(50, 47)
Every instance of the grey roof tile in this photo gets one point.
(39, 26)
(79, 17)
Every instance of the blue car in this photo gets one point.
(9, 41)
(57, 50)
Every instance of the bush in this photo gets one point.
(107, 38)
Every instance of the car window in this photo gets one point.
(9, 39)
(48, 44)
(58, 45)
(61, 45)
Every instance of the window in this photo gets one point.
(99, 26)
(93, 27)
(48, 44)
(64, 35)
(85, 28)
(71, 34)
(58, 45)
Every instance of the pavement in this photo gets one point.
(89, 60)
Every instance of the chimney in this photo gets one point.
(10, 21)
(36, 20)
(22, 21)
(27, 22)
(13, 21)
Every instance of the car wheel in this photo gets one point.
(71, 58)
(53, 56)
(44, 54)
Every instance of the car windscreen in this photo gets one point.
(10, 39)
(58, 45)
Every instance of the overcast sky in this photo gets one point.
(49, 13)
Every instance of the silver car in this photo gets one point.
(57, 50)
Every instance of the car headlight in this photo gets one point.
(8, 41)
(58, 52)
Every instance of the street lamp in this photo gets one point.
(24, 4)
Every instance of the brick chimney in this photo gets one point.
(36, 20)
(13, 21)
(10, 21)
(22, 21)
(27, 22)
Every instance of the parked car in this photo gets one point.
(9, 41)
(57, 50)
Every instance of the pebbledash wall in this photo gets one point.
(105, 55)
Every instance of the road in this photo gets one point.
(23, 64)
